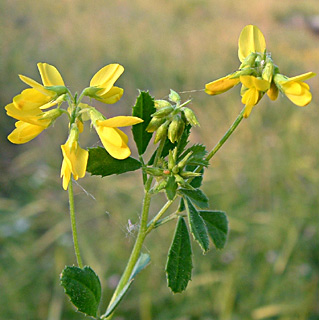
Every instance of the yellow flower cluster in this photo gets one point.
(30, 109)
(259, 75)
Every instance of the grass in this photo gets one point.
(265, 177)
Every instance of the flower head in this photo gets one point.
(258, 74)
(74, 158)
(102, 84)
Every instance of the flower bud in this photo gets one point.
(154, 124)
(190, 117)
(161, 185)
(171, 160)
(174, 97)
(176, 129)
(268, 71)
(190, 174)
(183, 162)
(175, 169)
(161, 104)
(249, 61)
(162, 112)
(154, 171)
(161, 131)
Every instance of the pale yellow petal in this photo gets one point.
(66, 174)
(30, 99)
(302, 77)
(250, 97)
(273, 92)
(50, 75)
(120, 121)
(250, 40)
(81, 162)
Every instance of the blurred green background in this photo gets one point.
(266, 177)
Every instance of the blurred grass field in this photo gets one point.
(266, 177)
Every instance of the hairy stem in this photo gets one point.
(73, 226)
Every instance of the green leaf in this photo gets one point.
(143, 109)
(198, 155)
(171, 188)
(83, 288)
(197, 196)
(197, 225)
(217, 226)
(179, 261)
(141, 263)
(100, 163)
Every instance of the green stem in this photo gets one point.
(153, 222)
(73, 225)
(226, 135)
(142, 232)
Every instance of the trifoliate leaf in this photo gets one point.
(143, 109)
(100, 163)
(197, 225)
(198, 155)
(83, 288)
(197, 196)
(217, 226)
(179, 261)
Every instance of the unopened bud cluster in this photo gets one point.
(173, 171)
(171, 118)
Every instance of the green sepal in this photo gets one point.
(59, 90)
(170, 188)
(83, 288)
(143, 109)
(197, 181)
(100, 163)
(197, 196)
(179, 260)
(197, 226)
(217, 226)
(141, 263)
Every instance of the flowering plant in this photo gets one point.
(174, 168)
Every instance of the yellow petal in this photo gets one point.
(109, 135)
(123, 135)
(120, 121)
(106, 77)
(247, 111)
(250, 40)
(32, 116)
(30, 99)
(66, 174)
(250, 97)
(261, 84)
(273, 92)
(32, 83)
(300, 97)
(302, 77)
(50, 75)
(24, 132)
(111, 96)
(221, 85)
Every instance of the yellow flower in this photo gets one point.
(294, 88)
(50, 76)
(253, 92)
(102, 84)
(113, 139)
(258, 74)
(74, 158)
